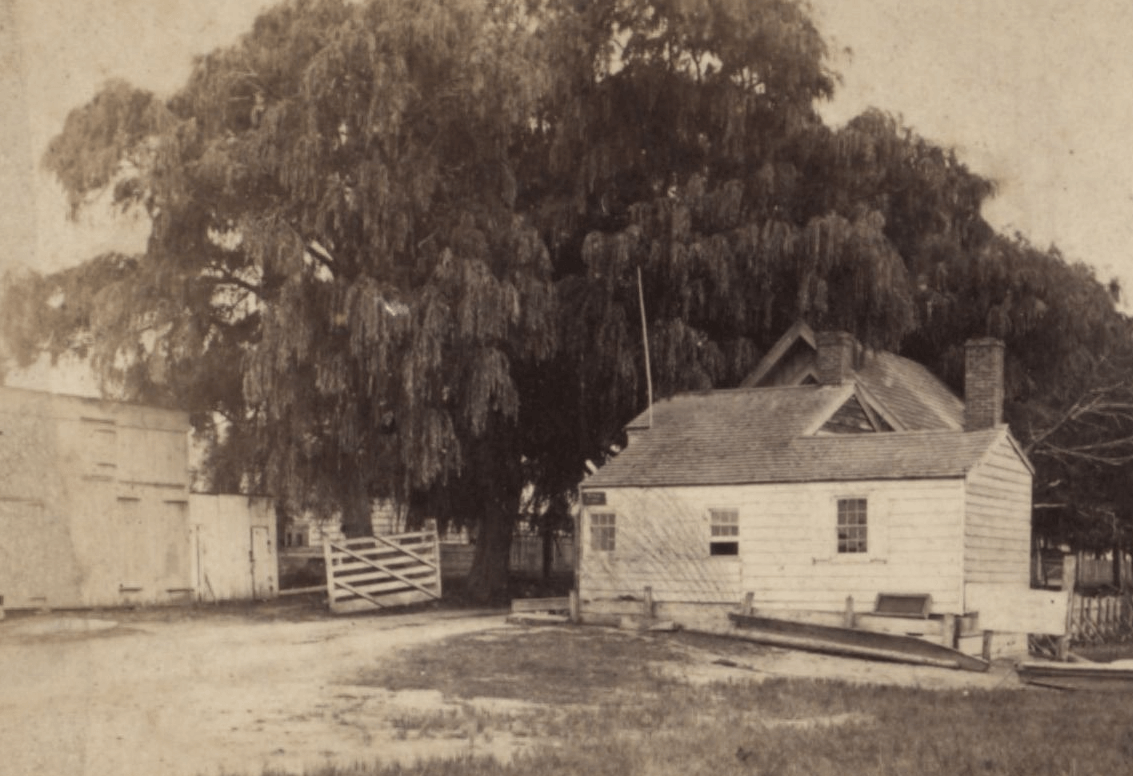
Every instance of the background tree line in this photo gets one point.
(395, 247)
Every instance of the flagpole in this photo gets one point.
(645, 340)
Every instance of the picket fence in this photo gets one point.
(1101, 619)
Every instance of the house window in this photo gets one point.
(724, 527)
(852, 527)
(602, 530)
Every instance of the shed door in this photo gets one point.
(263, 563)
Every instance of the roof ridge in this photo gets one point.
(747, 389)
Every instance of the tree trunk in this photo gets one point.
(548, 553)
(487, 581)
(357, 517)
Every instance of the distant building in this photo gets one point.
(95, 510)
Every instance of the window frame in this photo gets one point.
(858, 531)
(603, 532)
(723, 535)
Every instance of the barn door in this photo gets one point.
(263, 563)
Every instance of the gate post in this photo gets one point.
(328, 565)
(1069, 576)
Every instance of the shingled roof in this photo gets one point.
(911, 395)
(910, 391)
(765, 435)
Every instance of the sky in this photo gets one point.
(1033, 94)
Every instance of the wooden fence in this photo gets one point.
(1101, 619)
(379, 571)
(1095, 572)
(526, 556)
(1092, 572)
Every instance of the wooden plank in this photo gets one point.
(378, 552)
(406, 566)
(361, 594)
(1077, 676)
(375, 572)
(303, 590)
(408, 552)
(383, 585)
(521, 605)
(402, 563)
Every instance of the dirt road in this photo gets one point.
(235, 694)
(83, 697)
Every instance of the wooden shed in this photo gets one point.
(95, 510)
(845, 473)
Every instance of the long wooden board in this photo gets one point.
(1077, 676)
(852, 642)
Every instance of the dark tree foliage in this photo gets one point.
(396, 245)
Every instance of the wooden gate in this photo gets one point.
(374, 572)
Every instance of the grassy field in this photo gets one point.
(596, 702)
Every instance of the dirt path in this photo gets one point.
(207, 696)
(224, 694)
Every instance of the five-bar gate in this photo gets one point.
(374, 572)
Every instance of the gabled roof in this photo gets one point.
(906, 393)
(761, 435)
(910, 391)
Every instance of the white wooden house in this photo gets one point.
(834, 472)
(95, 510)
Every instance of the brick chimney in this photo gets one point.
(983, 383)
(835, 362)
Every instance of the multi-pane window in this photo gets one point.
(724, 527)
(852, 528)
(602, 531)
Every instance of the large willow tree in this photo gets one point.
(396, 244)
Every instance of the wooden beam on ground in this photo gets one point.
(303, 590)
(522, 605)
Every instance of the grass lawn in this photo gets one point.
(601, 705)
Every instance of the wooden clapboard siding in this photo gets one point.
(788, 545)
(661, 541)
(914, 542)
(997, 528)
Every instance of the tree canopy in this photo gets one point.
(395, 247)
